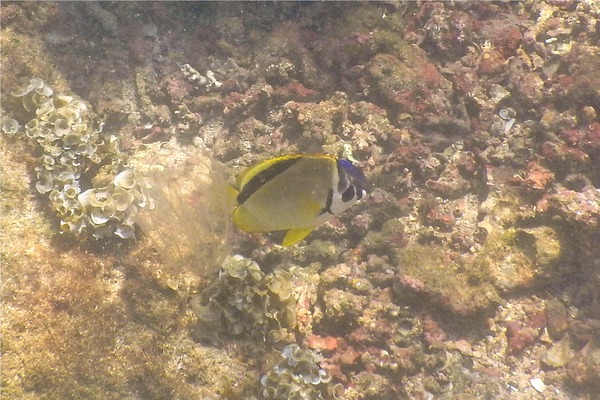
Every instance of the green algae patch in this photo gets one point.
(442, 276)
(520, 258)
(246, 301)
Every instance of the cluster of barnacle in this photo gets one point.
(75, 151)
(297, 376)
(243, 299)
(208, 82)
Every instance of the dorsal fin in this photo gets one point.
(261, 174)
(256, 176)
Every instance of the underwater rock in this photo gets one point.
(416, 91)
(438, 275)
(580, 208)
(586, 83)
(519, 336)
(207, 81)
(537, 178)
(584, 370)
(106, 18)
(456, 178)
(559, 354)
(318, 122)
(323, 251)
(517, 258)
(322, 342)
(343, 306)
(557, 318)
(370, 385)
(492, 63)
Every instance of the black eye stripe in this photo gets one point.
(263, 177)
(348, 194)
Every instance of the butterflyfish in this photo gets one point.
(296, 193)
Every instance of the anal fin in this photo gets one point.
(293, 236)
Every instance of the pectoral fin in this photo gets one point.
(293, 236)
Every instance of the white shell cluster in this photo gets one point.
(73, 147)
(208, 82)
(297, 376)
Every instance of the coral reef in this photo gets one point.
(470, 271)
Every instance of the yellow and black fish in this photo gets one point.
(296, 193)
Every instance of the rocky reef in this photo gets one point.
(470, 271)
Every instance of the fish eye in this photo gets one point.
(348, 194)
